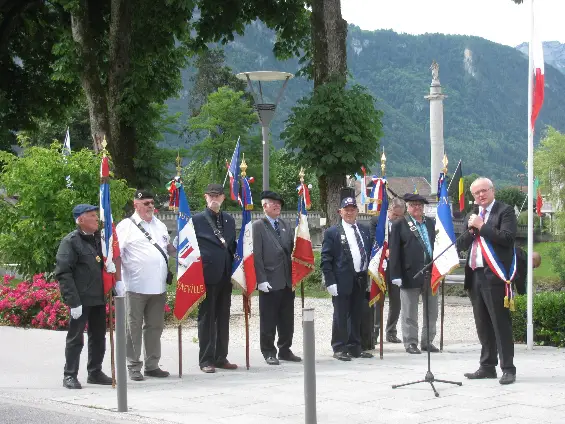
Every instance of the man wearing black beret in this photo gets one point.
(215, 232)
(79, 273)
(411, 243)
(273, 242)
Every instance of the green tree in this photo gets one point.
(225, 117)
(33, 226)
(335, 132)
(511, 196)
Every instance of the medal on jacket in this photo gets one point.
(97, 258)
(497, 268)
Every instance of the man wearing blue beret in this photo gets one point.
(79, 273)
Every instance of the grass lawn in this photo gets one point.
(546, 268)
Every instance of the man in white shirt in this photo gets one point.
(144, 270)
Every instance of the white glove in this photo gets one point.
(175, 242)
(264, 287)
(332, 289)
(76, 312)
(385, 265)
(110, 267)
(120, 288)
(397, 282)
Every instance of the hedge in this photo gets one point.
(548, 319)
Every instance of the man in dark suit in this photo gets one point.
(215, 232)
(395, 211)
(495, 224)
(411, 242)
(272, 248)
(345, 257)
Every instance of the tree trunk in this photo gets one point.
(90, 73)
(329, 33)
(122, 144)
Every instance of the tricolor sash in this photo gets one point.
(497, 268)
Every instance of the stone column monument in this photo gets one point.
(436, 126)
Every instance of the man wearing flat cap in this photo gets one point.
(411, 243)
(145, 249)
(273, 242)
(346, 251)
(215, 232)
(79, 273)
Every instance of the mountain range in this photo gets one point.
(485, 112)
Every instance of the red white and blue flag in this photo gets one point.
(233, 172)
(377, 264)
(110, 246)
(377, 195)
(445, 236)
(303, 254)
(190, 278)
(538, 77)
(243, 269)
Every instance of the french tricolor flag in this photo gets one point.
(233, 172)
(303, 254)
(537, 76)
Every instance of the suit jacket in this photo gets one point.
(500, 231)
(216, 259)
(406, 253)
(337, 266)
(272, 254)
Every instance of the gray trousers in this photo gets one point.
(409, 310)
(145, 315)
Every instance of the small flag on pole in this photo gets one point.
(377, 264)
(66, 152)
(303, 253)
(233, 171)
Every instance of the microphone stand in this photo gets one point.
(429, 378)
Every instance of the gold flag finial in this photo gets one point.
(383, 163)
(445, 162)
(243, 166)
(301, 174)
(178, 161)
(104, 145)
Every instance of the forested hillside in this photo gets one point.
(485, 113)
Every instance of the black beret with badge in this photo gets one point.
(216, 189)
(413, 197)
(143, 194)
(267, 194)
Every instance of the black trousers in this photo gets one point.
(95, 317)
(493, 322)
(393, 311)
(367, 326)
(214, 324)
(346, 326)
(276, 314)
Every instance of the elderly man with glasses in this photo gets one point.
(411, 243)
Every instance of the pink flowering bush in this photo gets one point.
(36, 303)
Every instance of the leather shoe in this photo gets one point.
(507, 378)
(413, 349)
(365, 355)
(393, 339)
(290, 357)
(157, 372)
(71, 382)
(480, 374)
(342, 356)
(135, 375)
(271, 360)
(226, 365)
(431, 347)
(99, 378)
(208, 369)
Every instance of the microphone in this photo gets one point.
(474, 231)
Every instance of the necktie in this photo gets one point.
(277, 229)
(219, 223)
(476, 245)
(360, 246)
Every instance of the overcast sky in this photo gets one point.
(501, 21)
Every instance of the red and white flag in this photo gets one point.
(303, 254)
(536, 50)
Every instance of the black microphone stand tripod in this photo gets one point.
(429, 378)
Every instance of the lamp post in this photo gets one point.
(265, 111)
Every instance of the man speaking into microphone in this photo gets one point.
(491, 266)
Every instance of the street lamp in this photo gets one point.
(265, 111)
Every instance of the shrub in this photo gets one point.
(548, 319)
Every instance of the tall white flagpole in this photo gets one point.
(530, 290)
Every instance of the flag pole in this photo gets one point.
(179, 328)
(246, 298)
(530, 300)
(382, 302)
(451, 180)
(228, 170)
(445, 162)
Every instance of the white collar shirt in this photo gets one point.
(144, 269)
(479, 261)
(353, 246)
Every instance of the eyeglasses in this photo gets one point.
(150, 203)
(416, 205)
(479, 192)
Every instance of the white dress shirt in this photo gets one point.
(353, 247)
(479, 261)
(144, 269)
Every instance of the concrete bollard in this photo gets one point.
(121, 367)
(309, 365)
